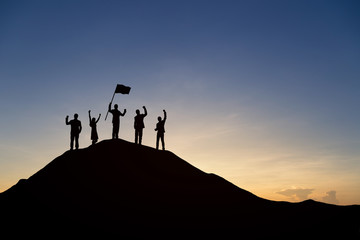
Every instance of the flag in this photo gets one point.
(122, 89)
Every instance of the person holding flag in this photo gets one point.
(115, 112)
(116, 120)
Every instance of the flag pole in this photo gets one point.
(110, 103)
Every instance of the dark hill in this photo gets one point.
(117, 188)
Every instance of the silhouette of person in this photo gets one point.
(92, 123)
(160, 128)
(75, 130)
(139, 125)
(116, 120)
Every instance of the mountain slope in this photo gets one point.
(119, 188)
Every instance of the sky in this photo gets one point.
(262, 93)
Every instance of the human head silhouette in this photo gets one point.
(159, 119)
(116, 106)
(76, 116)
(93, 120)
(137, 111)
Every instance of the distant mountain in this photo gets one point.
(117, 188)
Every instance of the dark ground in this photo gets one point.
(119, 189)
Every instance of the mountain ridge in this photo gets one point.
(119, 188)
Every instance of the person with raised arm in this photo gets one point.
(75, 130)
(116, 120)
(139, 125)
(160, 128)
(92, 123)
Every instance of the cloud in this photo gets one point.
(330, 197)
(300, 194)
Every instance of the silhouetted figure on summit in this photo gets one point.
(75, 130)
(92, 123)
(116, 120)
(139, 125)
(160, 128)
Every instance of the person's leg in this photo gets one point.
(71, 141)
(77, 141)
(157, 141)
(136, 136)
(117, 132)
(140, 135)
(162, 141)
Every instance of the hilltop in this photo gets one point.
(117, 188)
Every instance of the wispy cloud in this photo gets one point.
(331, 197)
(297, 193)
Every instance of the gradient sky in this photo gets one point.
(263, 93)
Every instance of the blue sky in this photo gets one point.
(263, 93)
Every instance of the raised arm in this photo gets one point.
(123, 114)
(89, 116)
(164, 115)
(145, 114)
(98, 118)
(109, 109)
(67, 120)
